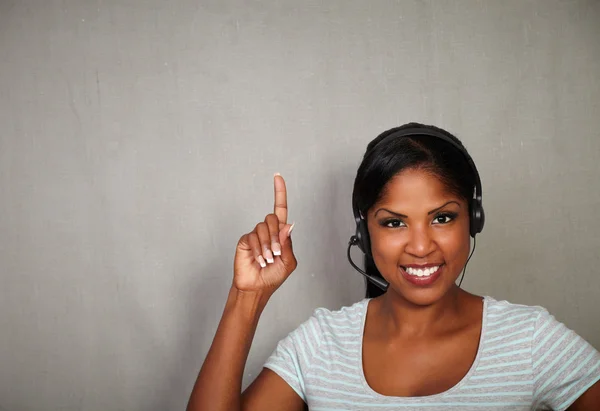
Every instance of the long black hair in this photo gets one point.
(383, 161)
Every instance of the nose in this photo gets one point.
(420, 242)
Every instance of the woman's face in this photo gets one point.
(419, 225)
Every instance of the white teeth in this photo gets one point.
(422, 273)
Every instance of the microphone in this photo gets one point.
(379, 282)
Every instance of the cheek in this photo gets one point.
(455, 244)
(387, 245)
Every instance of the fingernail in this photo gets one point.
(261, 261)
(269, 256)
(291, 228)
(276, 174)
(276, 248)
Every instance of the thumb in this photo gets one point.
(285, 239)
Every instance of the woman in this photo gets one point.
(423, 343)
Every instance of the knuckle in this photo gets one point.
(293, 265)
(271, 218)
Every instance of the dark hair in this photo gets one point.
(383, 161)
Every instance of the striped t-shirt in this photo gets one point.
(526, 360)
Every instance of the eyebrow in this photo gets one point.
(429, 213)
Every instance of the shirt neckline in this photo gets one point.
(457, 386)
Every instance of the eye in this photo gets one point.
(444, 218)
(393, 223)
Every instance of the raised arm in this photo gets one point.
(263, 260)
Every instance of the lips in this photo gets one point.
(422, 275)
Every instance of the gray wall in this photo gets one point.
(138, 139)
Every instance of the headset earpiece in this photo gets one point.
(362, 236)
(477, 219)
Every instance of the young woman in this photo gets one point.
(418, 341)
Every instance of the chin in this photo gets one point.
(421, 297)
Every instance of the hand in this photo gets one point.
(264, 257)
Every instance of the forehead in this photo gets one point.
(416, 186)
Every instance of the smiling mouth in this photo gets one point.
(426, 271)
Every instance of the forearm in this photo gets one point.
(219, 384)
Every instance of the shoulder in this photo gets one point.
(521, 324)
(546, 333)
(338, 323)
(324, 331)
(326, 337)
(502, 311)
(345, 314)
(504, 314)
(503, 307)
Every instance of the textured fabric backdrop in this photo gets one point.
(138, 139)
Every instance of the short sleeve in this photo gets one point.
(564, 364)
(293, 355)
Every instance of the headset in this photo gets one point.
(476, 217)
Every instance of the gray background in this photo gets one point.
(138, 139)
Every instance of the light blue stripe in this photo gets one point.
(519, 324)
(492, 313)
(504, 354)
(501, 374)
(491, 394)
(346, 319)
(502, 337)
(348, 393)
(335, 337)
(509, 315)
(504, 364)
(336, 381)
(508, 344)
(353, 345)
(337, 346)
(332, 372)
(505, 320)
(499, 384)
(343, 327)
(335, 362)
(337, 354)
(340, 316)
(341, 335)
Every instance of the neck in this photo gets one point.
(403, 318)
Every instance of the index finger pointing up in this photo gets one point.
(281, 210)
